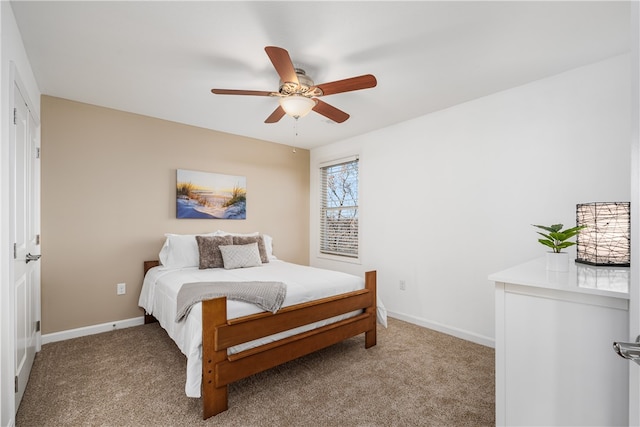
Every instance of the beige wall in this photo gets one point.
(108, 197)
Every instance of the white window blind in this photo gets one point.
(339, 209)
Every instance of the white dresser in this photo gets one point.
(555, 363)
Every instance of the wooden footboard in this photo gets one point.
(218, 334)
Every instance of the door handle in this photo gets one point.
(30, 258)
(628, 350)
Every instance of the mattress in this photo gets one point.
(161, 286)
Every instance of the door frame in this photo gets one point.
(7, 295)
(634, 288)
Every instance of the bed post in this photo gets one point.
(214, 399)
(370, 280)
(148, 265)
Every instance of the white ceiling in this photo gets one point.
(161, 59)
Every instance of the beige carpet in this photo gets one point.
(135, 377)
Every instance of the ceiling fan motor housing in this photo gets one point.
(305, 86)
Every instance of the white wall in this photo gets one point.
(11, 52)
(448, 198)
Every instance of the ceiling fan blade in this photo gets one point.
(241, 92)
(330, 111)
(277, 114)
(282, 63)
(354, 83)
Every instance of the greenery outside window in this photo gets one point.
(339, 208)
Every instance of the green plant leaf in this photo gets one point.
(556, 235)
(547, 243)
(549, 229)
(546, 236)
(573, 231)
(565, 245)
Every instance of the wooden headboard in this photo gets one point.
(150, 264)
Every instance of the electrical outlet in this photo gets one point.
(403, 285)
(121, 288)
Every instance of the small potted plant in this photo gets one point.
(557, 239)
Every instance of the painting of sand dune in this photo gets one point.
(210, 195)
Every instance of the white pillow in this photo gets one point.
(268, 245)
(180, 250)
(240, 256)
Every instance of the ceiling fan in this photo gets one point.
(298, 94)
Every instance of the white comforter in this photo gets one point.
(161, 285)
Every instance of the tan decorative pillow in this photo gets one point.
(208, 247)
(245, 240)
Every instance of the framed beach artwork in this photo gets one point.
(210, 195)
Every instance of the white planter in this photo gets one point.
(558, 261)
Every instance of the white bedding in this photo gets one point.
(161, 285)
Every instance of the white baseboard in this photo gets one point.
(137, 321)
(458, 333)
(91, 330)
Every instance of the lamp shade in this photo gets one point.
(297, 105)
(606, 238)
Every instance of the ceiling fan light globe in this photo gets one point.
(297, 105)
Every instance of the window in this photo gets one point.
(339, 208)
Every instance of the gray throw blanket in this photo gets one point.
(267, 295)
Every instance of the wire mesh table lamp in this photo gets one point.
(607, 236)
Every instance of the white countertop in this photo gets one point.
(581, 278)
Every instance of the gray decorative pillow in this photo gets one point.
(208, 247)
(245, 240)
(240, 256)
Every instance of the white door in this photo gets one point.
(24, 232)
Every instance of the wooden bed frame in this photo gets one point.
(219, 333)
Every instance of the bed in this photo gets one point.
(226, 339)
